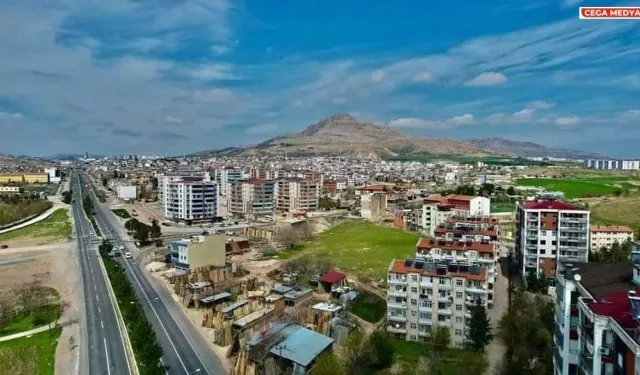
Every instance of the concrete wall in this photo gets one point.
(211, 252)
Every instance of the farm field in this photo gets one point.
(578, 188)
(617, 211)
(30, 355)
(359, 247)
(58, 225)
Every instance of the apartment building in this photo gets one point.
(263, 174)
(426, 292)
(191, 200)
(548, 231)
(165, 178)
(198, 251)
(253, 197)
(225, 175)
(296, 194)
(597, 318)
(437, 208)
(607, 235)
(373, 205)
(625, 165)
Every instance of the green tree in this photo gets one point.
(383, 349)
(328, 364)
(511, 190)
(440, 342)
(155, 232)
(359, 354)
(105, 247)
(480, 328)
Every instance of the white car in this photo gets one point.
(127, 255)
(121, 247)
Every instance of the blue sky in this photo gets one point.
(178, 76)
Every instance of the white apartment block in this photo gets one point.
(607, 235)
(548, 231)
(165, 178)
(597, 325)
(253, 197)
(225, 175)
(191, 200)
(624, 165)
(296, 194)
(426, 293)
(436, 209)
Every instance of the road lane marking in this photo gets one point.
(106, 352)
(101, 324)
(97, 299)
(99, 311)
(94, 287)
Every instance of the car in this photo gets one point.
(117, 254)
(128, 255)
(91, 233)
(121, 247)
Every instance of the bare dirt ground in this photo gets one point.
(54, 265)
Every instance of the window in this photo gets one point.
(414, 277)
(412, 338)
(442, 305)
(543, 242)
(443, 281)
(414, 290)
(429, 292)
(413, 313)
(458, 332)
(414, 302)
(414, 326)
(459, 295)
(399, 288)
(458, 307)
(458, 319)
(426, 304)
(459, 282)
(425, 315)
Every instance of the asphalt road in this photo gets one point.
(105, 352)
(185, 350)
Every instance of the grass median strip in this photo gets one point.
(88, 209)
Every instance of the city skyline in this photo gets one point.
(178, 77)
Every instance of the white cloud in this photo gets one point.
(262, 129)
(219, 49)
(541, 104)
(412, 122)
(424, 77)
(523, 115)
(632, 112)
(10, 116)
(487, 79)
(212, 72)
(173, 120)
(377, 76)
(567, 120)
(213, 95)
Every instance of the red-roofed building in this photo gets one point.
(371, 189)
(548, 231)
(437, 209)
(330, 281)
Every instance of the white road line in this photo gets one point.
(101, 324)
(99, 311)
(93, 278)
(94, 287)
(106, 353)
(97, 299)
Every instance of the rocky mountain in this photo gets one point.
(503, 146)
(343, 134)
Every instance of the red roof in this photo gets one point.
(465, 198)
(332, 277)
(547, 205)
(255, 181)
(616, 306)
(371, 188)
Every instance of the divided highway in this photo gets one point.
(185, 351)
(104, 352)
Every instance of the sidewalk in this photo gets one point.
(25, 333)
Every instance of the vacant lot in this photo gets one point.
(121, 212)
(369, 307)
(14, 212)
(29, 355)
(572, 188)
(359, 247)
(456, 361)
(617, 211)
(56, 226)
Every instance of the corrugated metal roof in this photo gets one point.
(216, 297)
(236, 305)
(281, 289)
(302, 346)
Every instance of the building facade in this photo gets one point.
(607, 235)
(597, 318)
(251, 197)
(225, 175)
(373, 205)
(548, 231)
(609, 164)
(199, 251)
(191, 200)
(295, 194)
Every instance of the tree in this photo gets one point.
(440, 341)
(511, 191)
(105, 248)
(480, 328)
(359, 354)
(155, 232)
(67, 196)
(383, 349)
(328, 364)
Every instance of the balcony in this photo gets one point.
(397, 281)
(400, 329)
(467, 314)
(396, 293)
(444, 286)
(477, 290)
(423, 334)
(586, 363)
(425, 308)
(446, 311)
(397, 318)
(396, 305)
(427, 322)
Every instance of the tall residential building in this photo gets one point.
(251, 197)
(263, 174)
(548, 231)
(165, 178)
(597, 321)
(428, 292)
(225, 175)
(625, 165)
(294, 194)
(191, 200)
(372, 205)
(436, 209)
(607, 235)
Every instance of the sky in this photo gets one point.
(168, 77)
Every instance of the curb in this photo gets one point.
(121, 323)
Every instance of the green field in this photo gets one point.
(24, 322)
(30, 355)
(369, 307)
(503, 207)
(456, 361)
(121, 212)
(57, 225)
(359, 247)
(576, 188)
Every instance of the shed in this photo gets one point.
(330, 281)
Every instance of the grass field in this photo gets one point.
(23, 322)
(359, 247)
(57, 225)
(617, 211)
(408, 354)
(369, 307)
(30, 355)
(574, 188)
(121, 212)
(14, 212)
(503, 207)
